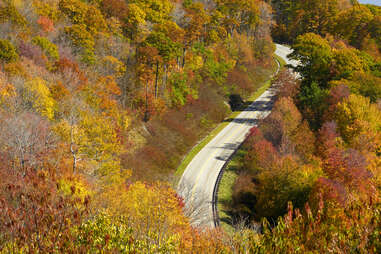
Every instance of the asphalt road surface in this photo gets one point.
(197, 184)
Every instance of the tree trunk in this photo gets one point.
(157, 79)
(73, 152)
(184, 51)
(146, 113)
(164, 85)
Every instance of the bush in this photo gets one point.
(49, 48)
(8, 51)
(235, 102)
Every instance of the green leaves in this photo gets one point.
(315, 56)
(8, 51)
(181, 90)
(48, 47)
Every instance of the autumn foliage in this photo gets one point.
(101, 99)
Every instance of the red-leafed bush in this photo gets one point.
(46, 24)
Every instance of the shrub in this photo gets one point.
(33, 52)
(8, 51)
(8, 12)
(49, 48)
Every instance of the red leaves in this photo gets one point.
(327, 138)
(338, 93)
(330, 191)
(346, 168)
(287, 84)
(33, 213)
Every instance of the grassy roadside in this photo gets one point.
(196, 149)
(225, 191)
(280, 60)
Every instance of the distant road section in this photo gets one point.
(198, 183)
(375, 2)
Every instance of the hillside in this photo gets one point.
(100, 100)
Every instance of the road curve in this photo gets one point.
(198, 183)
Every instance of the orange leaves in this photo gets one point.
(46, 24)
(113, 66)
(102, 95)
(59, 91)
(7, 91)
(115, 8)
(195, 19)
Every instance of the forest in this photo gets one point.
(100, 100)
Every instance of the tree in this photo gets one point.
(346, 62)
(241, 16)
(352, 24)
(315, 55)
(323, 229)
(286, 180)
(38, 94)
(27, 140)
(364, 84)
(194, 23)
(359, 121)
(83, 40)
(295, 18)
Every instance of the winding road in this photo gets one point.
(200, 180)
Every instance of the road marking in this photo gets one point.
(244, 114)
(210, 157)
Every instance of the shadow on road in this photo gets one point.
(248, 121)
(226, 153)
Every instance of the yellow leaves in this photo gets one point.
(115, 26)
(113, 66)
(94, 141)
(15, 69)
(153, 210)
(47, 8)
(94, 20)
(153, 10)
(80, 36)
(74, 9)
(136, 15)
(75, 187)
(359, 121)
(346, 62)
(7, 91)
(62, 129)
(38, 94)
(100, 142)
